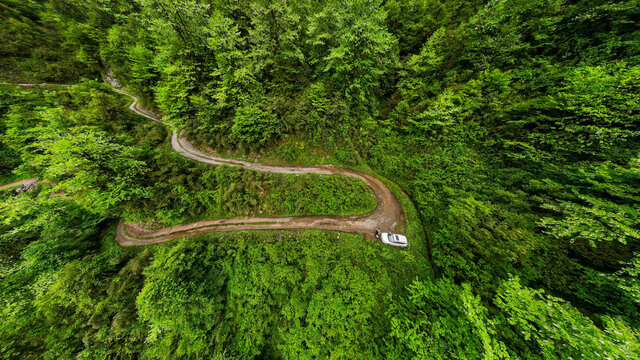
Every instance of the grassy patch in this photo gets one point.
(291, 150)
(187, 191)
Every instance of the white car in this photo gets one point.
(394, 239)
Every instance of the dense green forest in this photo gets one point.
(513, 126)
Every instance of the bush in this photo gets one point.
(254, 126)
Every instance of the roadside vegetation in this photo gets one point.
(512, 125)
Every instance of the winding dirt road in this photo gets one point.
(387, 215)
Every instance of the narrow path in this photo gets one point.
(387, 215)
(19, 183)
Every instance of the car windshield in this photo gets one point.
(394, 238)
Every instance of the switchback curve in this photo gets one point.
(387, 215)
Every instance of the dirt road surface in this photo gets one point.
(19, 183)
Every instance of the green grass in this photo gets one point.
(228, 192)
(290, 150)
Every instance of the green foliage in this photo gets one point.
(354, 25)
(513, 125)
(318, 195)
(515, 152)
(57, 221)
(89, 162)
(182, 319)
(597, 221)
(559, 331)
(33, 47)
(287, 297)
(414, 21)
(441, 320)
(60, 140)
(272, 293)
(252, 125)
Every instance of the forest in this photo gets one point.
(508, 131)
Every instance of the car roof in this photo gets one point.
(397, 238)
